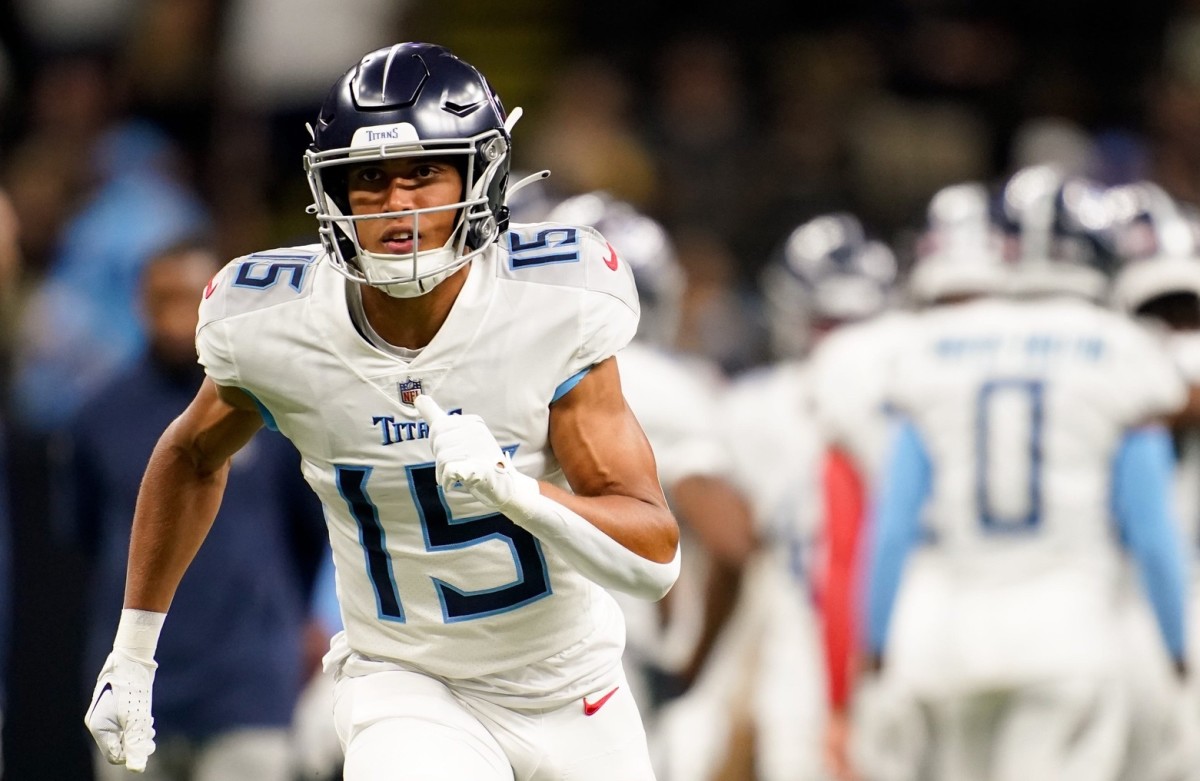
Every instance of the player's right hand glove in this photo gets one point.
(467, 455)
(119, 715)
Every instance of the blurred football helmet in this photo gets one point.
(645, 245)
(826, 273)
(1064, 231)
(961, 252)
(1158, 243)
(410, 100)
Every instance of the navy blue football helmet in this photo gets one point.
(1064, 226)
(828, 272)
(644, 244)
(961, 252)
(1158, 246)
(411, 100)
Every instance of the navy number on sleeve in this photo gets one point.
(442, 531)
(263, 271)
(996, 433)
(550, 245)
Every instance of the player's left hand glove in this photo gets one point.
(119, 715)
(468, 455)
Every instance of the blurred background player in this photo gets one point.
(830, 297)
(669, 644)
(826, 276)
(994, 575)
(958, 255)
(238, 653)
(317, 753)
(1158, 284)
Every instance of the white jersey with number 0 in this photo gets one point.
(1021, 406)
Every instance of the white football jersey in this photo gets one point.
(850, 386)
(429, 578)
(778, 453)
(1021, 406)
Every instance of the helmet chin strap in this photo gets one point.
(408, 288)
(376, 267)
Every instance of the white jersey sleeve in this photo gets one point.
(777, 451)
(1152, 384)
(254, 282)
(609, 308)
(851, 371)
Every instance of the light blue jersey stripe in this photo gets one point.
(565, 386)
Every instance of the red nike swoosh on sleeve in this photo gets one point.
(611, 260)
(590, 708)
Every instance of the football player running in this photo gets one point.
(450, 383)
(1029, 451)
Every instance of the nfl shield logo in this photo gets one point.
(409, 390)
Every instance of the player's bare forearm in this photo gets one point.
(181, 493)
(721, 521)
(175, 509)
(722, 588)
(718, 515)
(610, 466)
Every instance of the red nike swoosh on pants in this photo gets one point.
(590, 708)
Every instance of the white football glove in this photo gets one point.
(119, 716)
(468, 455)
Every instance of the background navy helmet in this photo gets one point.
(1159, 251)
(827, 272)
(1065, 232)
(961, 251)
(410, 100)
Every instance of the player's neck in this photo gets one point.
(412, 322)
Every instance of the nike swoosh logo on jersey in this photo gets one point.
(590, 708)
(611, 260)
